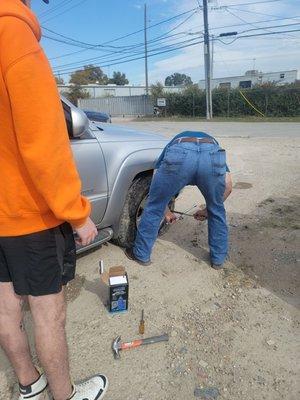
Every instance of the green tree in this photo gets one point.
(157, 91)
(76, 92)
(89, 74)
(193, 90)
(119, 78)
(59, 80)
(178, 79)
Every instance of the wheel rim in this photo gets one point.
(142, 207)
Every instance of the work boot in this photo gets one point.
(217, 266)
(129, 254)
(35, 391)
(93, 388)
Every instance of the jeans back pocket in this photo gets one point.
(218, 160)
(173, 159)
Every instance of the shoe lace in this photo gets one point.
(82, 384)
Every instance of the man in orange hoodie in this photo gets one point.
(40, 206)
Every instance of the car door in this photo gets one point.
(92, 170)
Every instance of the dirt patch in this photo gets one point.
(283, 214)
(264, 246)
(242, 185)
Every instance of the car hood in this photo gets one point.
(115, 133)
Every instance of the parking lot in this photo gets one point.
(233, 333)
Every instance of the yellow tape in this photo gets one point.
(250, 104)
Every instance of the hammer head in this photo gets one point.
(116, 347)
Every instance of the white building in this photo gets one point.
(96, 91)
(251, 78)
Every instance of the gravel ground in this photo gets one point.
(225, 129)
(234, 334)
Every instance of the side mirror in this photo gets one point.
(77, 121)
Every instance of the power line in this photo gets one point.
(255, 26)
(264, 14)
(131, 33)
(90, 45)
(67, 37)
(256, 35)
(133, 59)
(177, 26)
(94, 47)
(63, 12)
(164, 36)
(51, 9)
(165, 47)
(180, 33)
(270, 27)
(122, 51)
(138, 53)
(151, 26)
(64, 72)
(252, 3)
(130, 51)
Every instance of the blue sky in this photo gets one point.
(100, 21)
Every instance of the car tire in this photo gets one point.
(136, 197)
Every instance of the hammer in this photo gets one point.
(117, 345)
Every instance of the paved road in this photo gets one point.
(218, 129)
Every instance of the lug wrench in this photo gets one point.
(117, 345)
(183, 213)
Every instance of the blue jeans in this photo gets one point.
(200, 164)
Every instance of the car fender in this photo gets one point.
(137, 162)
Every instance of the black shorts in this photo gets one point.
(38, 263)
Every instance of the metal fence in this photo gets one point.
(119, 106)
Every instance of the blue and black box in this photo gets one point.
(118, 289)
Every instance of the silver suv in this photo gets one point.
(116, 167)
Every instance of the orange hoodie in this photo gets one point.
(39, 184)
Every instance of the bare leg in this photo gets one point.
(13, 338)
(49, 315)
(228, 185)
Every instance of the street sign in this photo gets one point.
(162, 102)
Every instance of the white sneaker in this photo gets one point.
(35, 391)
(93, 388)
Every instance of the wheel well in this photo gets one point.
(143, 174)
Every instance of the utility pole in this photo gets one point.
(207, 62)
(212, 71)
(146, 50)
(212, 56)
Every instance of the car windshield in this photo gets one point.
(96, 115)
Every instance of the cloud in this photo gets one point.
(234, 57)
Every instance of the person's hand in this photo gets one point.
(201, 215)
(86, 233)
(170, 217)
